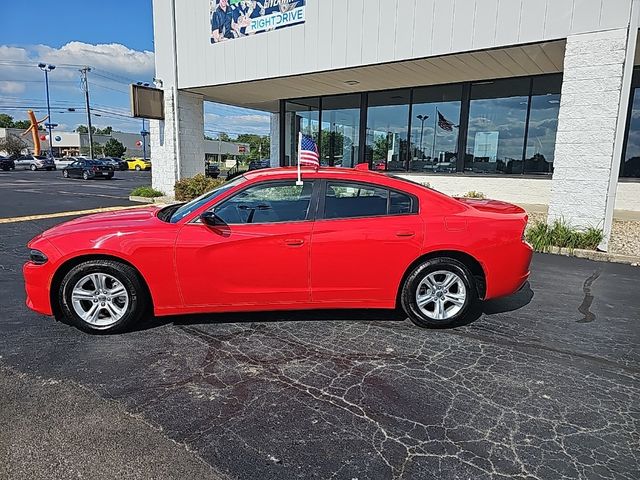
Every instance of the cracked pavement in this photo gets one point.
(543, 385)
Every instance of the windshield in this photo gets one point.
(196, 203)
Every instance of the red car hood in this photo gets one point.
(493, 206)
(130, 218)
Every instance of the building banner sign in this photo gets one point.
(232, 19)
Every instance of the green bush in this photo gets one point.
(474, 194)
(190, 188)
(543, 236)
(146, 192)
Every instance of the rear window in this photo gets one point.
(353, 200)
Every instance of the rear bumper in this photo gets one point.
(508, 271)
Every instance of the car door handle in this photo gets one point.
(294, 242)
(405, 233)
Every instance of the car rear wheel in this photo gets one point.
(85, 175)
(65, 174)
(439, 292)
(102, 296)
(138, 168)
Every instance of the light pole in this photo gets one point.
(422, 118)
(46, 69)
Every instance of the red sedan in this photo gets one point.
(343, 239)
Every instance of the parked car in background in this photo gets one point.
(258, 164)
(116, 163)
(34, 163)
(64, 161)
(275, 244)
(212, 170)
(88, 169)
(139, 164)
(7, 164)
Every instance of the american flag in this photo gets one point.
(308, 154)
(445, 124)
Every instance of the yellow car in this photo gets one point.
(138, 164)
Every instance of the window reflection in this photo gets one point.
(340, 130)
(543, 124)
(631, 160)
(434, 129)
(387, 130)
(301, 116)
(497, 116)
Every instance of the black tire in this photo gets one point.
(65, 173)
(5, 169)
(419, 273)
(138, 168)
(110, 176)
(85, 175)
(33, 168)
(125, 274)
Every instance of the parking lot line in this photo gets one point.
(67, 214)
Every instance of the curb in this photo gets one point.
(632, 260)
(134, 198)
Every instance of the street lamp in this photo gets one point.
(144, 131)
(422, 118)
(46, 69)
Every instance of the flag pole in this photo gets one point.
(435, 131)
(299, 182)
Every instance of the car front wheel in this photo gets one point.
(85, 175)
(102, 296)
(33, 168)
(439, 292)
(138, 168)
(65, 174)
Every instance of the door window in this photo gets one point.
(268, 203)
(351, 200)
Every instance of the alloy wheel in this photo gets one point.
(441, 295)
(100, 299)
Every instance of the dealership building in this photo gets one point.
(529, 101)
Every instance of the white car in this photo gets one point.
(64, 161)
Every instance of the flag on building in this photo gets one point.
(308, 154)
(445, 124)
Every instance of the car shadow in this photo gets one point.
(491, 307)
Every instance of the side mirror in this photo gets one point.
(210, 219)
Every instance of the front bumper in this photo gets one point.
(37, 283)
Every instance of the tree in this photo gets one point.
(84, 129)
(6, 121)
(12, 145)
(224, 137)
(114, 148)
(24, 124)
(104, 131)
(259, 145)
(97, 149)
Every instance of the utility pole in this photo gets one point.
(85, 87)
(46, 69)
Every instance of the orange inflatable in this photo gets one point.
(33, 128)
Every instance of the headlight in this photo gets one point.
(37, 257)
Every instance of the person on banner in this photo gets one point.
(222, 24)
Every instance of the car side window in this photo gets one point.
(268, 203)
(353, 200)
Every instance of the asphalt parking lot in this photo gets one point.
(543, 385)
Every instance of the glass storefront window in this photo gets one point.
(497, 118)
(434, 129)
(543, 124)
(630, 166)
(300, 116)
(387, 130)
(340, 144)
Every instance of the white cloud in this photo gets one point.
(12, 88)
(234, 124)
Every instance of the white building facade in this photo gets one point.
(528, 101)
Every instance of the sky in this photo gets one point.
(114, 38)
